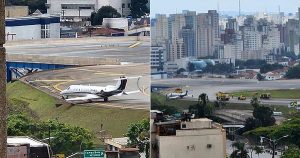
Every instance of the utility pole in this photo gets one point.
(273, 143)
(3, 108)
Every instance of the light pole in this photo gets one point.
(273, 143)
(3, 108)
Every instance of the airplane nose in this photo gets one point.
(62, 92)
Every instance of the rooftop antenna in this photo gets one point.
(218, 7)
(239, 7)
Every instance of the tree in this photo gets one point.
(33, 5)
(270, 67)
(138, 134)
(67, 139)
(254, 102)
(293, 73)
(191, 67)
(139, 8)
(240, 150)
(290, 127)
(181, 70)
(251, 123)
(291, 152)
(104, 12)
(260, 77)
(264, 115)
(202, 108)
(258, 150)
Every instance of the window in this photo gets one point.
(123, 5)
(45, 31)
(129, 5)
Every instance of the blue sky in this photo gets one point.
(173, 6)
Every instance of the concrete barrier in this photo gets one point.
(79, 61)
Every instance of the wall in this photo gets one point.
(23, 32)
(193, 145)
(16, 11)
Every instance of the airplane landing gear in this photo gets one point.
(105, 99)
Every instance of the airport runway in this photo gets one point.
(54, 81)
(211, 86)
(126, 49)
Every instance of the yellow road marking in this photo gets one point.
(135, 44)
(144, 91)
(56, 86)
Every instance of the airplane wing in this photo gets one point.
(87, 97)
(174, 97)
(127, 93)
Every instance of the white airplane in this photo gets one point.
(176, 95)
(95, 93)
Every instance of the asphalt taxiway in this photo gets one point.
(54, 81)
(211, 86)
(126, 49)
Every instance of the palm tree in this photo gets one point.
(258, 150)
(240, 151)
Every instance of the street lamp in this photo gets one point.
(273, 143)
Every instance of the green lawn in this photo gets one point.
(184, 104)
(279, 94)
(114, 120)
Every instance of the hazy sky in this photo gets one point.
(171, 6)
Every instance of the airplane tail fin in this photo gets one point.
(121, 84)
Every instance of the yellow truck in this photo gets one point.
(222, 96)
(242, 97)
(265, 96)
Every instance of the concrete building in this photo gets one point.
(188, 139)
(159, 34)
(233, 51)
(117, 148)
(208, 33)
(25, 147)
(204, 35)
(157, 58)
(80, 10)
(189, 33)
(177, 50)
(32, 27)
(16, 11)
(272, 41)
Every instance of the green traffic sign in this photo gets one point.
(93, 153)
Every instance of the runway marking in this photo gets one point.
(99, 72)
(52, 80)
(141, 107)
(134, 45)
(58, 84)
(108, 73)
(144, 91)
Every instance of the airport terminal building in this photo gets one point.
(32, 27)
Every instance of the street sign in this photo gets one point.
(93, 153)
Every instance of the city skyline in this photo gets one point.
(231, 6)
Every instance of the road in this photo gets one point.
(54, 81)
(211, 86)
